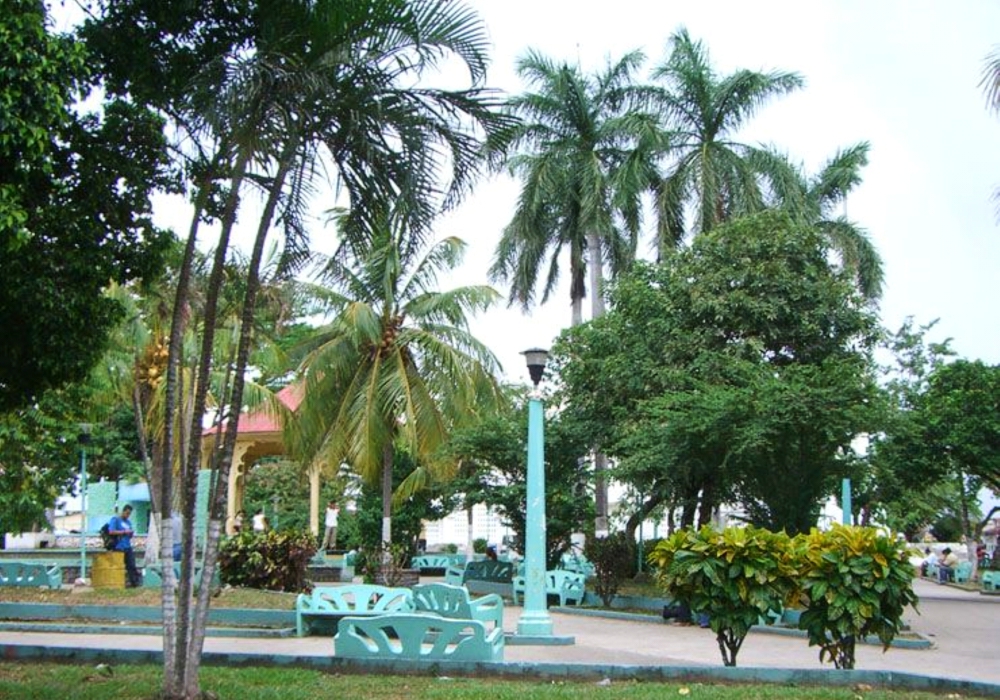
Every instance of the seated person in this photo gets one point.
(930, 559)
(946, 572)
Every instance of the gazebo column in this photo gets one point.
(234, 497)
(314, 472)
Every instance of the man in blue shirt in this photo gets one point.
(121, 526)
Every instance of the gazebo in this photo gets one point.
(260, 435)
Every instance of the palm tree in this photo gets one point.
(397, 365)
(814, 200)
(585, 155)
(295, 90)
(990, 83)
(710, 176)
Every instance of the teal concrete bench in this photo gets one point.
(484, 576)
(454, 602)
(30, 574)
(962, 572)
(152, 575)
(990, 580)
(431, 564)
(330, 604)
(568, 586)
(576, 563)
(418, 637)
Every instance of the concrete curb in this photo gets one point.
(921, 642)
(536, 671)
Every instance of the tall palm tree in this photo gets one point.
(710, 177)
(296, 90)
(585, 154)
(397, 365)
(814, 201)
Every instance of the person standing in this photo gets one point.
(121, 527)
(260, 522)
(332, 517)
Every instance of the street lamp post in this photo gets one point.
(83, 439)
(535, 619)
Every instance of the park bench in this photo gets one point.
(431, 564)
(418, 637)
(152, 575)
(30, 574)
(483, 576)
(330, 604)
(962, 572)
(454, 602)
(568, 586)
(990, 580)
(577, 563)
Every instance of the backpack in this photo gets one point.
(107, 538)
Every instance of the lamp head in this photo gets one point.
(536, 359)
(83, 437)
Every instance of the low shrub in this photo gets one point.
(272, 560)
(735, 576)
(612, 557)
(855, 582)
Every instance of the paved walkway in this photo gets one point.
(964, 626)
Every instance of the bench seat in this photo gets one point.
(30, 574)
(568, 586)
(417, 637)
(328, 604)
(454, 602)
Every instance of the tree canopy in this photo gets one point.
(74, 206)
(737, 370)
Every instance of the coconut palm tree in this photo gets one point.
(397, 364)
(710, 178)
(585, 155)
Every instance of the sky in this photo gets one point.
(901, 75)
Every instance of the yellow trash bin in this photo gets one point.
(108, 570)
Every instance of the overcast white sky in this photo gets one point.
(901, 75)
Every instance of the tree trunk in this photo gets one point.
(387, 457)
(163, 475)
(469, 548)
(595, 266)
(183, 682)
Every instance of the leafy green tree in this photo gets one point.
(283, 482)
(396, 366)
(39, 458)
(895, 485)
(710, 178)
(74, 206)
(737, 370)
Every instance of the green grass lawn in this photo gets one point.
(225, 598)
(46, 681)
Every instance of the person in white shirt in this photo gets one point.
(330, 536)
(260, 521)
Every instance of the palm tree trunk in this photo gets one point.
(185, 684)
(596, 268)
(387, 457)
(217, 505)
(164, 479)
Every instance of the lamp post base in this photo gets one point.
(534, 624)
